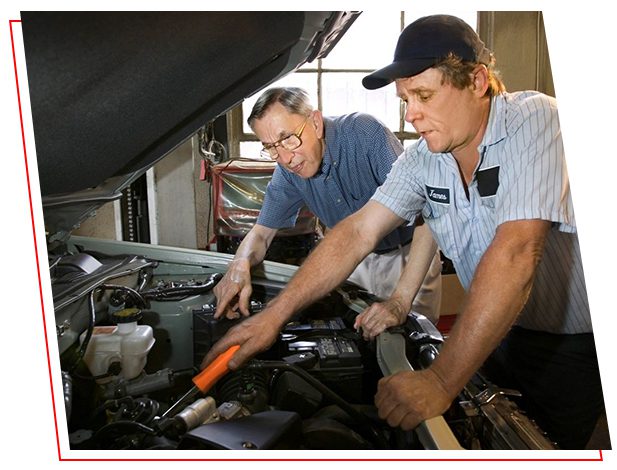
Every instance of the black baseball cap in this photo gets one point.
(426, 42)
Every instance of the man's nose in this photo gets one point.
(284, 155)
(412, 112)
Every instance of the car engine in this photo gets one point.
(132, 330)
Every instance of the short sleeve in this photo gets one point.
(282, 203)
(377, 144)
(534, 180)
(402, 192)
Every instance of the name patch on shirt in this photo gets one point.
(439, 195)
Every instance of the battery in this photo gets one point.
(333, 352)
(339, 365)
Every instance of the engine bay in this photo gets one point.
(132, 331)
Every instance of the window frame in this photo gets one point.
(235, 117)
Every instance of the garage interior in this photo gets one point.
(205, 194)
(174, 204)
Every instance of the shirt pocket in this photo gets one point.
(488, 202)
(439, 219)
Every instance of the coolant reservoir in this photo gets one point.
(127, 343)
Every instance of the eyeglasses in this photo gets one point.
(290, 142)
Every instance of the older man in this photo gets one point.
(333, 165)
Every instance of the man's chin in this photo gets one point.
(436, 148)
(305, 171)
(312, 172)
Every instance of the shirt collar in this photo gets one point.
(496, 124)
(328, 158)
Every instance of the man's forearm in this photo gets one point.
(499, 291)
(326, 267)
(337, 255)
(421, 254)
(254, 246)
(234, 290)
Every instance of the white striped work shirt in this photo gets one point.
(522, 175)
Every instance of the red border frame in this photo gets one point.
(53, 401)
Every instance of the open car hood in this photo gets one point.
(114, 92)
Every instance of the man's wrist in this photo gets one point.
(280, 310)
(402, 306)
(448, 379)
(238, 270)
(240, 263)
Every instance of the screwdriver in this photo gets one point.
(205, 379)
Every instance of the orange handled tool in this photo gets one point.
(205, 379)
(215, 370)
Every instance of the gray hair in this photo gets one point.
(295, 100)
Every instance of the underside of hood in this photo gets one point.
(113, 92)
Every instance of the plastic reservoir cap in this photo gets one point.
(127, 315)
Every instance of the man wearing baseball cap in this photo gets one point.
(488, 176)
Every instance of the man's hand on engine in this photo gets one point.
(233, 292)
(253, 335)
(407, 398)
(379, 316)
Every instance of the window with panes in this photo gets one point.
(334, 83)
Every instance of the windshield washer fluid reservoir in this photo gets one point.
(127, 343)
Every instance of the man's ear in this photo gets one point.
(479, 80)
(317, 121)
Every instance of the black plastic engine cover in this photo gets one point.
(267, 430)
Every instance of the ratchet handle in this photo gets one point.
(217, 369)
